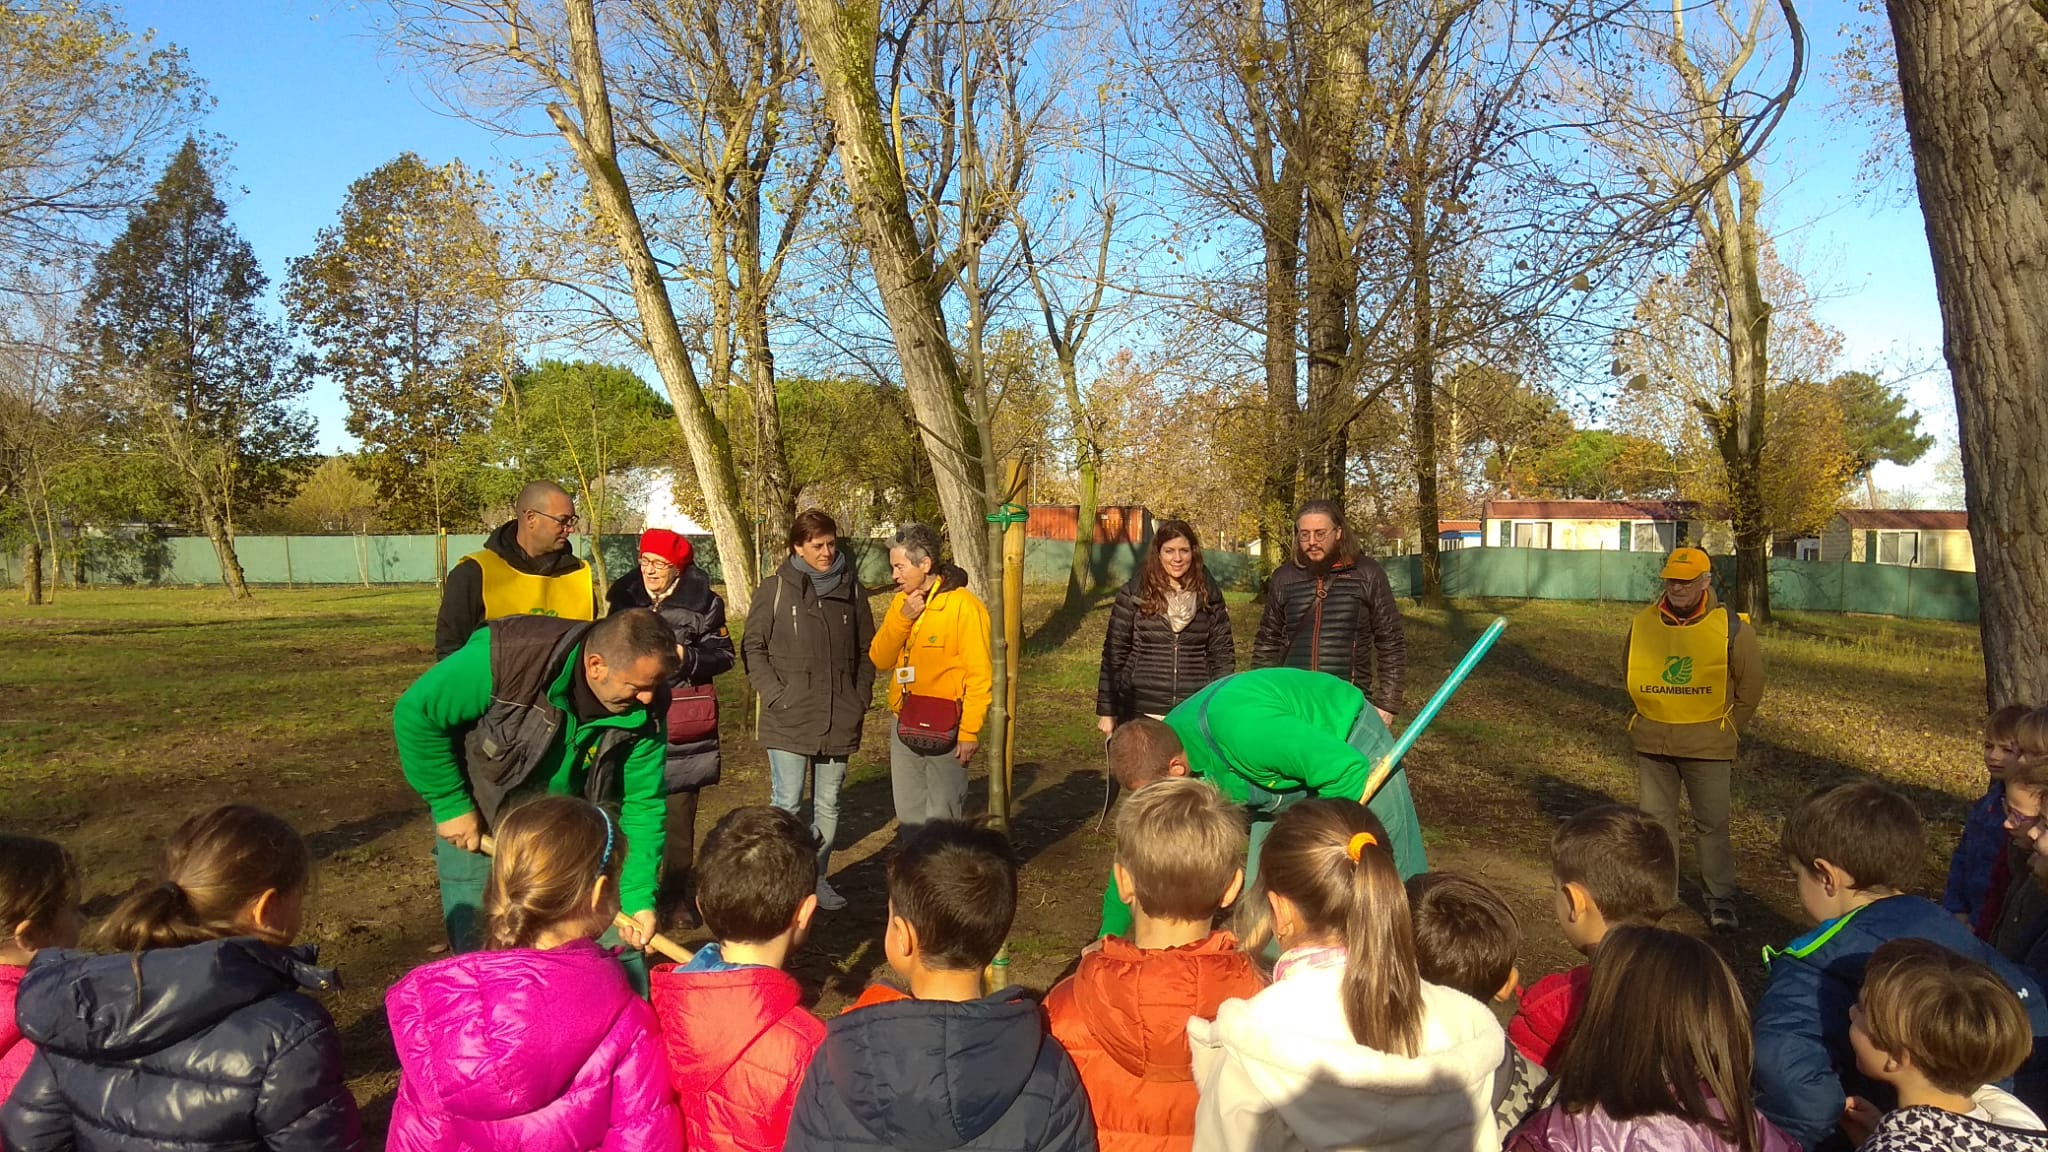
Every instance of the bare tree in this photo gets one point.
(1974, 76)
(844, 40)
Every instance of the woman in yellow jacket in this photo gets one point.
(932, 645)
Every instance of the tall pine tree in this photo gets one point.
(188, 367)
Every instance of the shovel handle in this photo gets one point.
(1384, 768)
(660, 943)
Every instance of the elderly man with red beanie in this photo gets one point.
(680, 592)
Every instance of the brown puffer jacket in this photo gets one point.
(1343, 621)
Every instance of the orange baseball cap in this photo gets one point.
(1687, 564)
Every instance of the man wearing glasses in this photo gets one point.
(1696, 676)
(525, 568)
(1330, 609)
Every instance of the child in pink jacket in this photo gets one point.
(538, 1043)
(38, 909)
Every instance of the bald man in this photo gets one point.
(525, 568)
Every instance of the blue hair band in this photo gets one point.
(606, 863)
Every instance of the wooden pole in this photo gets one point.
(1015, 479)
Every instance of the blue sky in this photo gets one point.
(311, 100)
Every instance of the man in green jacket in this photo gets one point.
(535, 705)
(1267, 738)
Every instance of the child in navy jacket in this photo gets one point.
(1971, 885)
(1854, 848)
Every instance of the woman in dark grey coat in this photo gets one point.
(680, 592)
(1169, 633)
(806, 648)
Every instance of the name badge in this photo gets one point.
(906, 675)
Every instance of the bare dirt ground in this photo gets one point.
(128, 710)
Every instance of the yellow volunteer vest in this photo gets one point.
(510, 592)
(1679, 675)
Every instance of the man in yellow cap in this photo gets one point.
(1696, 676)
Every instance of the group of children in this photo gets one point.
(1343, 1009)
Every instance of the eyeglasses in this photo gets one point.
(570, 521)
(2018, 819)
(1316, 536)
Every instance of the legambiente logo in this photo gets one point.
(1678, 670)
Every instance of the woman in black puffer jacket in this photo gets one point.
(197, 1032)
(1169, 632)
(679, 590)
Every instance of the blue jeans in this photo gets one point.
(786, 773)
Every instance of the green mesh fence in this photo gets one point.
(1468, 573)
(1796, 585)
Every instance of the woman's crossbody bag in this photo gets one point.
(927, 725)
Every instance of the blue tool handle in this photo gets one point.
(1442, 696)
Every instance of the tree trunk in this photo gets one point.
(1087, 463)
(1422, 409)
(1333, 33)
(32, 571)
(778, 498)
(842, 40)
(595, 147)
(1974, 77)
(1732, 236)
(224, 550)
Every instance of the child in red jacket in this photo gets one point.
(1123, 1014)
(1611, 866)
(38, 909)
(733, 1022)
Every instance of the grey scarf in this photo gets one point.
(822, 583)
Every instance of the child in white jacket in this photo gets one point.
(1349, 1048)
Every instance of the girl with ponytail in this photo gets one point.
(196, 1031)
(538, 1043)
(1348, 1047)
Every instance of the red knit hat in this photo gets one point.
(670, 546)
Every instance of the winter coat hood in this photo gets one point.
(209, 1046)
(1287, 1055)
(962, 1066)
(1556, 1130)
(108, 1015)
(504, 541)
(924, 1075)
(1137, 1002)
(526, 1047)
(738, 1040)
(1123, 1018)
(692, 591)
(1805, 1067)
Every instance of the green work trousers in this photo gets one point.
(1706, 784)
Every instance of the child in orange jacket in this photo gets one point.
(1123, 1014)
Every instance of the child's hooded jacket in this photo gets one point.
(529, 1049)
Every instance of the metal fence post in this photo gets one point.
(287, 561)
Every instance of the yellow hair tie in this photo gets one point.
(1358, 844)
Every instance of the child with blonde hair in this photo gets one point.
(1979, 870)
(1349, 1047)
(38, 910)
(539, 1042)
(1940, 1031)
(1123, 1015)
(197, 1031)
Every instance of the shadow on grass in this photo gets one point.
(1065, 620)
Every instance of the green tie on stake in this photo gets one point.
(1383, 769)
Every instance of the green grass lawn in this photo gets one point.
(129, 709)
